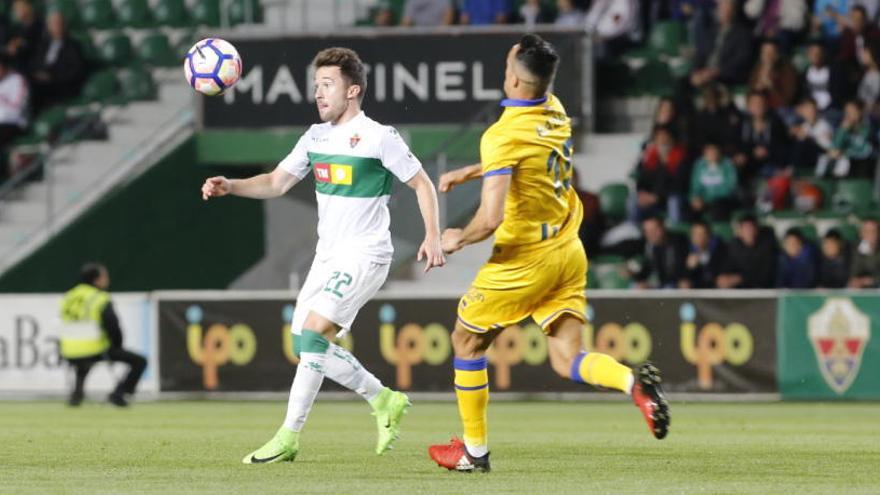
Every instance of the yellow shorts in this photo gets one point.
(514, 285)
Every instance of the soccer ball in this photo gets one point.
(212, 66)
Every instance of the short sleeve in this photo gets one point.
(396, 156)
(296, 162)
(498, 154)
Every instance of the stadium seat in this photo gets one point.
(853, 195)
(138, 85)
(239, 9)
(665, 39)
(654, 78)
(98, 14)
(724, 230)
(171, 13)
(116, 49)
(849, 232)
(100, 87)
(156, 50)
(134, 14)
(610, 273)
(90, 52)
(48, 123)
(206, 13)
(614, 79)
(181, 48)
(612, 201)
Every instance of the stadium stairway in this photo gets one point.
(80, 173)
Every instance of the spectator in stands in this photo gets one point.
(615, 24)
(823, 81)
(834, 264)
(872, 8)
(665, 253)
(750, 262)
(811, 137)
(828, 16)
(858, 34)
(703, 262)
(762, 142)
(797, 262)
(726, 52)
(23, 35)
(426, 13)
(58, 68)
(865, 271)
(661, 176)
(570, 14)
(852, 149)
(869, 87)
(666, 114)
(713, 185)
(781, 20)
(774, 76)
(593, 224)
(717, 120)
(534, 12)
(14, 97)
(383, 16)
(481, 12)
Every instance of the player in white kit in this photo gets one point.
(354, 160)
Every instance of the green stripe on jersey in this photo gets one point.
(351, 176)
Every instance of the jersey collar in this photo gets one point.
(513, 102)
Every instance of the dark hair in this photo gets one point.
(747, 217)
(808, 99)
(654, 217)
(663, 128)
(860, 8)
(699, 222)
(539, 57)
(755, 92)
(796, 233)
(833, 234)
(90, 272)
(857, 103)
(349, 63)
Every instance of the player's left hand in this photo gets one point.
(451, 240)
(432, 253)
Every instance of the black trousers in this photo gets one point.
(136, 365)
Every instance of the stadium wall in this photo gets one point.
(730, 345)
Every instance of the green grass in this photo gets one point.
(537, 448)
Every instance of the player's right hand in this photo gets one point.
(215, 187)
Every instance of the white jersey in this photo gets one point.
(353, 165)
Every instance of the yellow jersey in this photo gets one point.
(532, 142)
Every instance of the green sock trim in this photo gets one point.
(297, 345)
(313, 341)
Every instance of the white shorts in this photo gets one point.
(337, 288)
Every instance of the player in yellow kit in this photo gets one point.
(538, 266)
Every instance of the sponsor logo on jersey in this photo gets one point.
(839, 333)
(333, 173)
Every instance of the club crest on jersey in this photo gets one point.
(332, 173)
(354, 140)
(839, 332)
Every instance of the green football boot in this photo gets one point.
(389, 407)
(282, 447)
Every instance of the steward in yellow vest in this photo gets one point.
(90, 333)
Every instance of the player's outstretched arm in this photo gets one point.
(459, 176)
(488, 218)
(430, 249)
(263, 186)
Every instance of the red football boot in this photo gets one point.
(649, 398)
(454, 457)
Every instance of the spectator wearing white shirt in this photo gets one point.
(13, 102)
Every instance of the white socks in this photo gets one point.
(306, 384)
(343, 368)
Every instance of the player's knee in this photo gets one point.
(466, 344)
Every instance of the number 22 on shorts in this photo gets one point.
(337, 283)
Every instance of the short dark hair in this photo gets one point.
(796, 233)
(699, 222)
(859, 104)
(90, 272)
(860, 8)
(539, 57)
(349, 63)
(833, 234)
(747, 217)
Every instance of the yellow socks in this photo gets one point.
(472, 390)
(602, 370)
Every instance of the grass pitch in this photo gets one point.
(537, 448)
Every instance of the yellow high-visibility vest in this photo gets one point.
(81, 333)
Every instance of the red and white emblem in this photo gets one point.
(354, 140)
(839, 332)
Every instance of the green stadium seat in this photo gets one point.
(612, 201)
(679, 227)
(116, 50)
(654, 78)
(48, 123)
(98, 14)
(238, 11)
(724, 230)
(853, 195)
(70, 11)
(134, 14)
(592, 279)
(610, 272)
(849, 232)
(171, 13)
(827, 188)
(138, 85)
(206, 13)
(181, 48)
(100, 87)
(90, 52)
(666, 38)
(156, 50)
